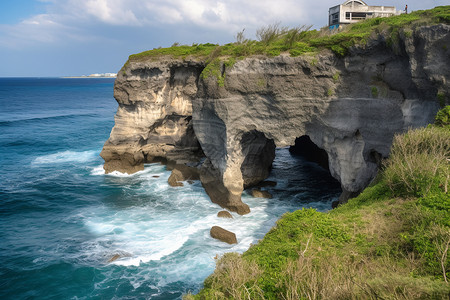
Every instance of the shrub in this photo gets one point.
(240, 38)
(374, 91)
(300, 48)
(336, 76)
(295, 34)
(443, 117)
(269, 34)
(234, 278)
(418, 162)
(441, 99)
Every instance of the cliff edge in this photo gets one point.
(226, 116)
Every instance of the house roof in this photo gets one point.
(359, 1)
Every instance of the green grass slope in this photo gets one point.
(391, 242)
(274, 40)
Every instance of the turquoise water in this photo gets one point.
(62, 219)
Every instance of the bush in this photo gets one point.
(240, 38)
(418, 162)
(269, 34)
(234, 278)
(443, 117)
(295, 34)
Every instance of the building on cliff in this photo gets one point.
(352, 11)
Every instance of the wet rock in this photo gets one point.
(175, 178)
(229, 196)
(261, 194)
(118, 255)
(114, 258)
(224, 214)
(334, 204)
(183, 173)
(223, 235)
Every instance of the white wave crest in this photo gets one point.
(150, 169)
(97, 171)
(65, 157)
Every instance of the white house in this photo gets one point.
(352, 11)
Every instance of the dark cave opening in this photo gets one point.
(259, 153)
(306, 148)
(298, 174)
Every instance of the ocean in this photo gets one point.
(62, 219)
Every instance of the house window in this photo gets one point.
(358, 16)
(355, 16)
(335, 18)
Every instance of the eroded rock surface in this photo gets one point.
(348, 107)
(181, 173)
(224, 214)
(154, 118)
(223, 235)
(257, 193)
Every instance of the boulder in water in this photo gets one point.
(118, 255)
(224, 214)
(114, 258)
(261, 194)
(223, 235)
(182, 172)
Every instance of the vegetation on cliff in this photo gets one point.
(274, 40)
(391, 242)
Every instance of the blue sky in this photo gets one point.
(75, 37)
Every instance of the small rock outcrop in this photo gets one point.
(223, 235)
(118, 255)
(261, 194)
(224, 214)
(182, 173)
(346, 108)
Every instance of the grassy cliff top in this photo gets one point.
(391, 242)
(274, 40)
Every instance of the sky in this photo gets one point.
(48, 38)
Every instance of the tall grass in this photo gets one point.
(234, 278)
(419, 162)
(391, 242)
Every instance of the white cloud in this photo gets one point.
(39, 28)
(79, 19)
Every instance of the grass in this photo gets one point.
(274, 40)
(391, 242)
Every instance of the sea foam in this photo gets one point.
(65, 157)
(169, 227)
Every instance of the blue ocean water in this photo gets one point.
(62, 219)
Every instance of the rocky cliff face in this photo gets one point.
(154, 118)
(350, 107)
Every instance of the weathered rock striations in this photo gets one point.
(349, 107)
(154, 118)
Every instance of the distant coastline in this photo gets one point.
(96, 75)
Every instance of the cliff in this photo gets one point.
(229, 115)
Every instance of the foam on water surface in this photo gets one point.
(71, 232)
(171, 228)
(66, 157)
